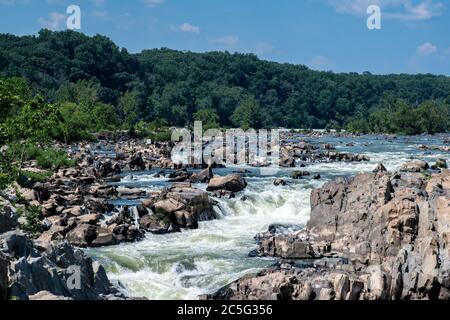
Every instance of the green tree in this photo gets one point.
(247, 115)
(208, 117)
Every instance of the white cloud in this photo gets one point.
(54, 21)
(187, 27)
(408, 10)
(426, 49)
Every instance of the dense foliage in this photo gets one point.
(96, 85)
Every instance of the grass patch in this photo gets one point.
(48, 158)
(37, 176)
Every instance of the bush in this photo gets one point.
(162, 136)
(52, 159)
(33, 223)
(5, 180)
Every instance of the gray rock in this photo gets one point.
(232, 182)
(8, 218)
(82, 236)
(4, 264)
(414, 166)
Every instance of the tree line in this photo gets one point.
(91, 84)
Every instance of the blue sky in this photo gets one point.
(323, 34)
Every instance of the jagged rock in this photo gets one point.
(203, 176)
(48, 274)
(387, 236)
(8, 218)
(232, 182)
(380, 168)
(82, 236)
(4, 264)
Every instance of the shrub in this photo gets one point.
(52, 159)
(33, 223)
(5, 180)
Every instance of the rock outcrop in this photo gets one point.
(373, 236)
(180, 206)
(232, 183)
(60, 271)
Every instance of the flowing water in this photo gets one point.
(190, 263)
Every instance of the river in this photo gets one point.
(190, 263)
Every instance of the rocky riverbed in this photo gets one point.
(160, 230)
(374, 236)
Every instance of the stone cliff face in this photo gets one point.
(374, 236)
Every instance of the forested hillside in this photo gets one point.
(107, 87)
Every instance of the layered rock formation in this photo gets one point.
(374, 236)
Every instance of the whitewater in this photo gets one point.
(194, 262)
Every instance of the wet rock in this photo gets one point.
(298, 174)
(157, 224)
(232, 182)
(224, 194)
(279, 182)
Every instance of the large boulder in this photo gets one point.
(8, 218)
(82, 236)
(60, 272)
(414, 166)
(377, 236)
(232, 182)
(203, 176)
(180, 206)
